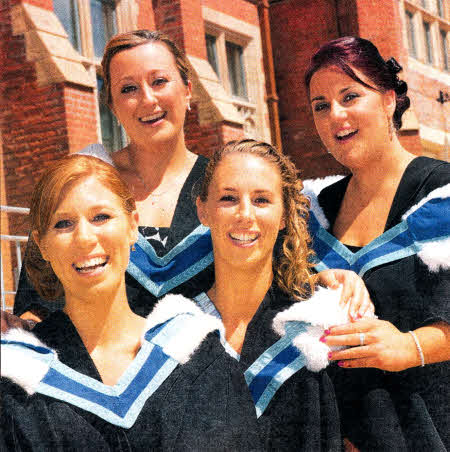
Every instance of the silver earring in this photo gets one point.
(189, 106)
(390, 128)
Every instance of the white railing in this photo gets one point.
(17, 239)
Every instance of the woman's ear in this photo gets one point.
(201, 212)
(134, 222)
(390, 102)
(40, 244)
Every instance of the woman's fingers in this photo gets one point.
(348, 340)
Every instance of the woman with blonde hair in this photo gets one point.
(271, 312)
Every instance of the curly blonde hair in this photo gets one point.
(48, 194)
(293, 268)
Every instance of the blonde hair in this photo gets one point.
(292, 268)
(124, 41)
(46, 197)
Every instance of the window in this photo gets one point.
(444, 50)
(67, 12)
(440, 8)
(96, 24)
(103, 22)
(211, 50)
(428, 45)
(424, 3)
(236, 72)
(411, 34)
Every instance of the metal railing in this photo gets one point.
(17, 239)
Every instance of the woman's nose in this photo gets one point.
(245, 210)
(85, 234)
(148, 96)
(338, 111)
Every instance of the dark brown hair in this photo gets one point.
(292, 268)
(46, 197)
(132, 39)
(350, 51)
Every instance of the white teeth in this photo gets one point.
(94, 262)
(244, 236)
(344, 133)
(151, 117)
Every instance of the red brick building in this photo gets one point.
(246, 57)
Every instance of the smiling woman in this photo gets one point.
(389, 222)
(97, 376)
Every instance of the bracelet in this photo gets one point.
(419, 348)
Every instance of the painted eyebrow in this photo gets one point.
(323, 98)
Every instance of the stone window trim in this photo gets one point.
(212, 92)
(437, 26)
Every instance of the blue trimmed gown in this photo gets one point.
(408, 410)
(202, 404)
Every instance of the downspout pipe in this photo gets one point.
(269, 71)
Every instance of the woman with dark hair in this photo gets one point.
(96, 376)
(147, 87)
(388, 221)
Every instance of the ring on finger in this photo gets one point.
(362, 338)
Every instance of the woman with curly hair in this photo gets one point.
(268, 303)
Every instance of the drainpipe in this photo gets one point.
(269, 71)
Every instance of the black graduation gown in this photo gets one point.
(406, 410)
(203, 404)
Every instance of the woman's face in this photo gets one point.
(244, 210)
(351, 119)
(148, 95)
(89, 238)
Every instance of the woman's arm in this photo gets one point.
(387, 348)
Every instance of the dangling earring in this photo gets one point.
(188, 106)
(390, 128)
(133, 248)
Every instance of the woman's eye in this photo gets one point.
(63, 224)
(320, 106)
(350, 96)
(227, 198)
(159, 81)
(261, 200)
(101, 217)
(128, 89)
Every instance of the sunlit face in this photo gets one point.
(148, 95)
(244, 210)
(350, 118)
(89, 238)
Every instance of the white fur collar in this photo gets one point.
(311, 189)
(320, 311)
(195, 328)
(20, 364)
(23, 366)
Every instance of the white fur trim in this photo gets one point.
(311, 189)
(195, 329)
(441, 192)
(321, 311)
(19, 364)
(436, 255)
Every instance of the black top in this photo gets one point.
(402, 410)
(203, 405)
(184, 221)
(302, 415)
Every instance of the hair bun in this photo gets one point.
(401, 88)
(393, 66)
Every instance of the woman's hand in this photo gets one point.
(354, 291)
(385, 347)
